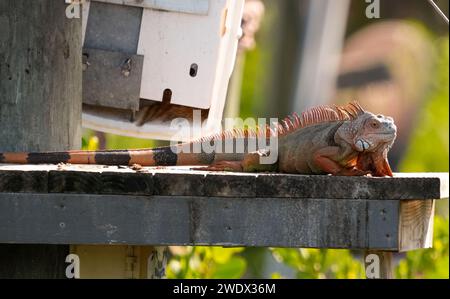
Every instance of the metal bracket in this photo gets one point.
(111, 79)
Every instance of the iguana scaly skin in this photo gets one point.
(323, 140)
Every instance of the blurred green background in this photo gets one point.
(426, 150)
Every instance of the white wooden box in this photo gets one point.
(137, 51)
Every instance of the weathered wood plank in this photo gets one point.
(383, 222)
(416, 224)
(98, 179)
(23, 181)
(100, 183)
(402, 186)
(183, 220)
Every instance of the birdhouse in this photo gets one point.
(149, 62)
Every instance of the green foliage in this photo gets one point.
(258, 63)
(115, 141)
(83, 143)
(429, 147)
(206, 262)
(319, 263)
(122, 142)
(251, 90)
(429, 151)
(90, 143)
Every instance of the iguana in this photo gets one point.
(333, 140)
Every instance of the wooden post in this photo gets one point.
(40, 106)
(378, 264)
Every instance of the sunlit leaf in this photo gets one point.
(234, 268)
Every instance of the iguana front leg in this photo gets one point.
(325, 158)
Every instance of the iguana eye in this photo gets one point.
(375, 124)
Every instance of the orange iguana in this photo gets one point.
(323, 140)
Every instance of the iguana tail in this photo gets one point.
(163, 156)
(190, 153)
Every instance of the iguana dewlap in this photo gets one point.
(323, 140)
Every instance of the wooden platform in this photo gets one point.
(73, 204)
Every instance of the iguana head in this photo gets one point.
(373, 132)
(373, 137)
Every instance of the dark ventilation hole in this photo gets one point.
(167, 95)
(193, 70)
(85, 57)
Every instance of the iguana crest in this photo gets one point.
(312, 116)
(318, 115)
